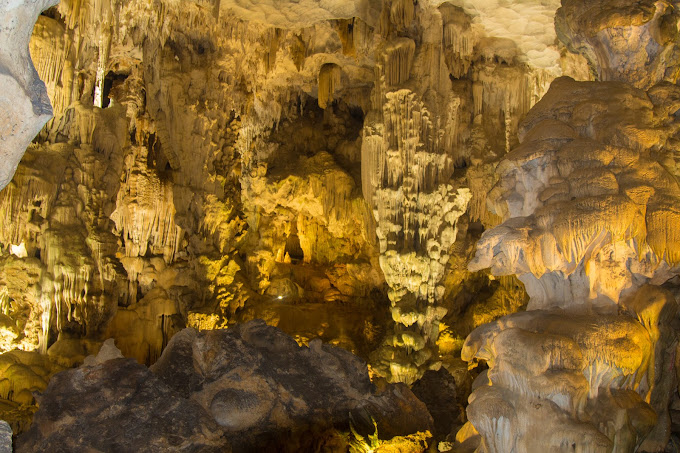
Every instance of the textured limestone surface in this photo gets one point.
(5, 437)
(250, 387)
(596, 380)
(21, 374)
(331, 167)
(589, 195)
(634, 42)
(24, 105)
(526, 23)
(296, 13)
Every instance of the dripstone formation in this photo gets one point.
(398, 191)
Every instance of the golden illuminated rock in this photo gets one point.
(329, 167)
(586, 202)
(634, 42)
(567, 367)
(21, 374)
(586, 196)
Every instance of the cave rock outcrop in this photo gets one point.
(251, 387)
(24, 105)
(589, 199)
(634, 42)
(589, 195)
(597, 380)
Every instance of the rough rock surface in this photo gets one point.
(120, 405)
(629, 41)
(589, 198)
(294, 14)
(257, 383)
(5, 437)
(585, 379)
(437, 389)
(24, 105)
(589, 201)
(588, 195)
(250, 386)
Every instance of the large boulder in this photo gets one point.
(257, 383)
(118, 405)
(250, 387)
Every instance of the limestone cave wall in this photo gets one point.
(428, 185)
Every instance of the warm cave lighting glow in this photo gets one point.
(345, 226)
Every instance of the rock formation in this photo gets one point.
(593, 378)
(443, 398)
(588, 200)
(247, 388)
(634, 42)
(5, 438)
(406, 174)
(24, 103)
(386, 176)
(588, 195)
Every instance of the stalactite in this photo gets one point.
(458, 39)
(273, 38)
(50, 53)
(329, 82)
(402, 13)
(45, 322)
(104, 48)
(406, 167)
(145, 215)
(398, 59)
(345, 29)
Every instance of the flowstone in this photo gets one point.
(588, 198)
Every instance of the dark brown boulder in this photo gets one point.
(250, 388)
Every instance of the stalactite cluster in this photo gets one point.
(421, 186)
